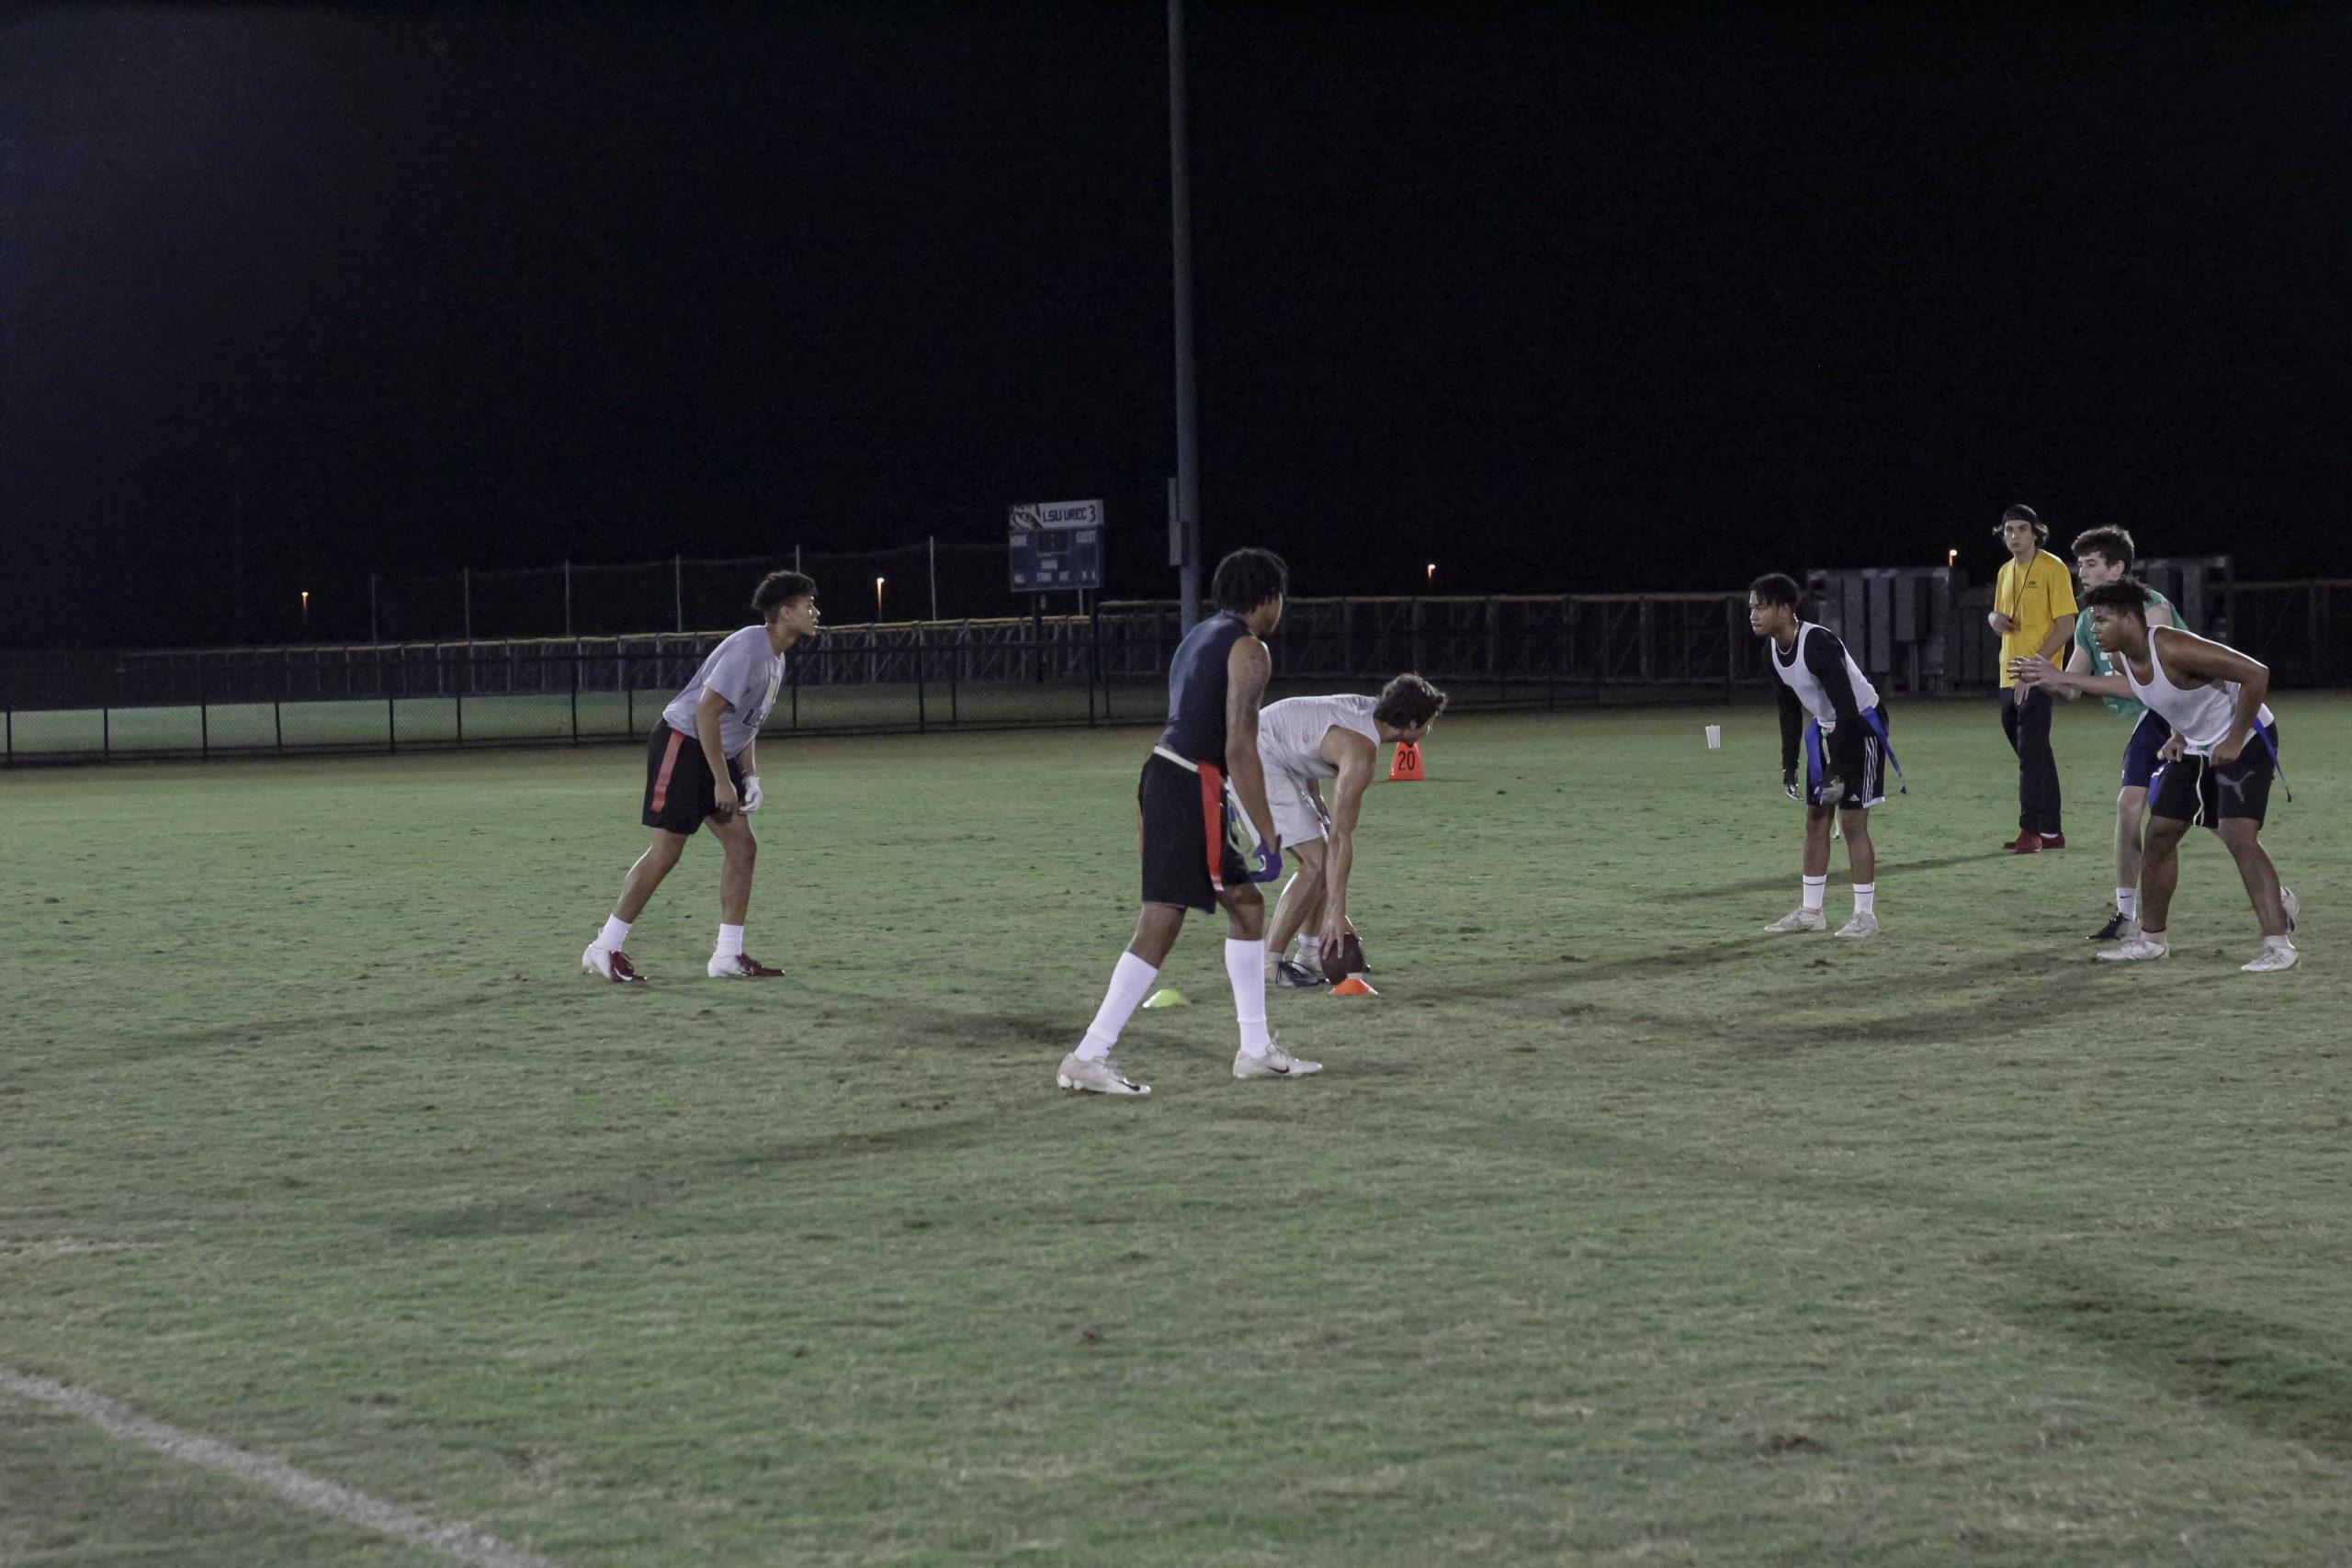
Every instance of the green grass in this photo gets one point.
(1615, 1232)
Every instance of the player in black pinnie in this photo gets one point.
(1204, 778)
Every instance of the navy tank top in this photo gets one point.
(1196, 681)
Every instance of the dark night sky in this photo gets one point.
(1571, 299)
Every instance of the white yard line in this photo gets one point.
(457, 1540)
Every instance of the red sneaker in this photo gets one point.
(2053, 840)
(740, 966)
(612, 963)
(2026, 844)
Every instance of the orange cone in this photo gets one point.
(1354, 986)
(1406, 767)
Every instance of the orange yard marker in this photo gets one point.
(1354, 986)
(1406, 767)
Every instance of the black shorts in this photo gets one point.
(1860, 792)
(679, 790)
(2199, 789)
(1183, 825)
(2148, 738)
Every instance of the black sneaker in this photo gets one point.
(2113, 930)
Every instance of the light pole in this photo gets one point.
(1430, 583)
(306, 613)
(1188, 440)
(878, 599)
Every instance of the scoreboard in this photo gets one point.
(1057, 545)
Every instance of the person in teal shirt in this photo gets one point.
(2103, 556)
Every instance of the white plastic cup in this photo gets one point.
(1714, 737)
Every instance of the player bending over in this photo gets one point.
(2103, 556)
(1828, 707)
(1189, 862)
(1302, 741)
(2217, 765)
(702, 765)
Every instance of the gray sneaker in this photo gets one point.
(1800, 920)
(1096, 1077)
(1276, 1063)
(1860, 926)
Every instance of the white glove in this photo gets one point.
(752, 797)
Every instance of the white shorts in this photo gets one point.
(1296, 821)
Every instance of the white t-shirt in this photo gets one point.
(747, 673)
(1291, 732)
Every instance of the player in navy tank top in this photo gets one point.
(1203, 779)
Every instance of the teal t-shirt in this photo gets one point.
(2102, 665)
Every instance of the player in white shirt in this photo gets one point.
(1829, 707)
(702, 766)
(2218, 766)
(1302, 741)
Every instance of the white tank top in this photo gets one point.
(1800, 680)
(1291, 732)
(2201, 716)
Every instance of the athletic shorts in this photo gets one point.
(679, 791)
(2148, 738)
(1296, 818)
(1860, 794)
(1182, 826)
(2199, 790)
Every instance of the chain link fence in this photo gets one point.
(1108, 666)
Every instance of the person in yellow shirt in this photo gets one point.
(2033, 609)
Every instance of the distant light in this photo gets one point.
(1951, 557)
(1432, 574)
(878, 598)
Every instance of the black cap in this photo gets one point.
(2020, 513)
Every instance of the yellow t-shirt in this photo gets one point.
(2033, 596)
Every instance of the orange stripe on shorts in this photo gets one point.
(669, 761)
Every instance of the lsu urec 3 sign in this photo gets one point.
(1057, 544)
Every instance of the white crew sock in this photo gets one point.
(1311, 951)
(1865, 898)
(1816, 888)
(1130, 982)
(1245, 966)
(731, 940)
(613, 935)
(2157, 937)
(2127, 902)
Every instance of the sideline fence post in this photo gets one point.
(922, 718)
(933, 541)
(575, 663)
(1731, 648)
(203, 715)
(458, 687)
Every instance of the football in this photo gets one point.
(1343, 960)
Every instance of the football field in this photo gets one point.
(1615, 1230)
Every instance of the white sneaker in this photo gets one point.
(1276, 1063)
(1291, 975)
(739, 966)
(1800, 920)
(1860, 926)
(2277, 953)
(612, 963)
(2137, 948)
(2294, 907)
(1101, 1076)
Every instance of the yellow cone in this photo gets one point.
(1168, 998)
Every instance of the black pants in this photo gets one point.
(2025, 720)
